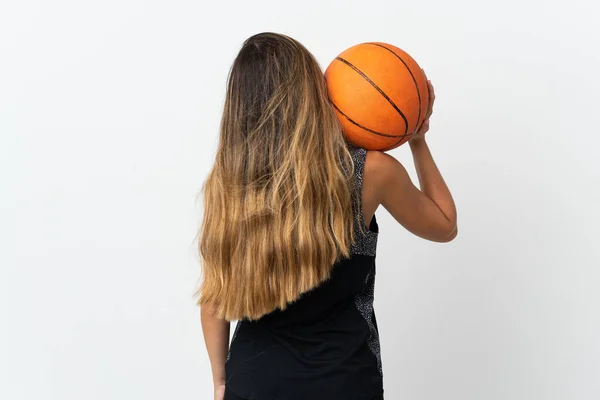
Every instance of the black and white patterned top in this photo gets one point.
(326, 344)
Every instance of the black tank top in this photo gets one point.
(326, 344)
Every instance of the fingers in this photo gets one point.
(431, 98)
(424, 128)
(430, 105)
(431, 93)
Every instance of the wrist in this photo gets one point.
(219, 380)
(416, 141)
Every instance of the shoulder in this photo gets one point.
(380, 166)
(383, 173)
(374, 160)
(378, 159)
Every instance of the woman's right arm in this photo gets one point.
(430, 212)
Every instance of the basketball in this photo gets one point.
(379, 94)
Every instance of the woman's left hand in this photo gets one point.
(219, 392)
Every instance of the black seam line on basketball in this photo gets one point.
(409, 135)
(402, 138)
(411, 74)
(364, 127)
(378, 89)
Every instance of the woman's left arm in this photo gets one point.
(216, 338)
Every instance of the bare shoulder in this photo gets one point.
(381, 168)
(378, 160)
(381, 172)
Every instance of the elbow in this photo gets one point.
(448, 237)
(448, 228)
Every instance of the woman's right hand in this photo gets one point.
(430, 212)
(420, 134)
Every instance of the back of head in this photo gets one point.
(278, 200)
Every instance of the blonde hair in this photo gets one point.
(278, 201)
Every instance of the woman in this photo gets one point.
(285, 246)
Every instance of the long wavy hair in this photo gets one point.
(278, 201)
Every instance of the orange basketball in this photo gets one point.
(379, 93)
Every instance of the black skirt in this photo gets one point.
(229, 395)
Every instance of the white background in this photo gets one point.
(109, 114)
